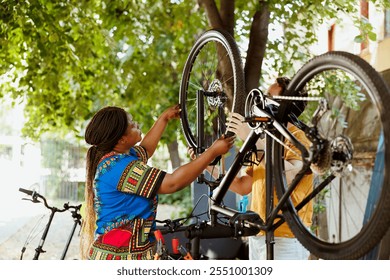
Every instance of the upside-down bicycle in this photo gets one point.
(345, 120)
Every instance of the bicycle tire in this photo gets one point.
(363, 187)
(203, 71)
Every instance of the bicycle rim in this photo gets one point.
(213, 66)
(351, 213)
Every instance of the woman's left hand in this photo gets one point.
(191, 153)
(172, 113)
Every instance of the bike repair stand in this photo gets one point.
(269, 237)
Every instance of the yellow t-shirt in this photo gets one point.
(304, 187)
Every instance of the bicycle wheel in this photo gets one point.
(351, 193)
(212, 84)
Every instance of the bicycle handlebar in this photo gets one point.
(28, 192)
(35, 195)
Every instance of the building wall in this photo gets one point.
(382, 62)
(376, 53)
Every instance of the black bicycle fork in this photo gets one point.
(269, 185)
(39, 249)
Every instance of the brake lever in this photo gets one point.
(32, 200)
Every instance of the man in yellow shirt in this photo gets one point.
(286, 245)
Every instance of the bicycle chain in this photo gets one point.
(295, 98)
(292, 98)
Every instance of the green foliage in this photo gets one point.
(286, 53)
(319, 208)
(65, 59)
(182, 199)
(68, 58)
(335, 84)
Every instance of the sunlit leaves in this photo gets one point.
(68, 58)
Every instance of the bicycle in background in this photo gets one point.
(75, 211)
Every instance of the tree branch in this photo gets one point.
(227, 15)
(212, 13)
(256, 49)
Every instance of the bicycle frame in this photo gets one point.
(339, 158)
(271, 127)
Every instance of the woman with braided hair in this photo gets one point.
(121, 189)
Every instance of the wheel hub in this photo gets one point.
(218, 98)
(342, 153)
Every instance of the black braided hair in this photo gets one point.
(103, 132)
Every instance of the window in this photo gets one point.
(387, 23)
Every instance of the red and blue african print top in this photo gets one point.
(125, 203)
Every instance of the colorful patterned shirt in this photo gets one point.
(125, 204)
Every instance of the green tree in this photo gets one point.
(250, 21)
(65, 59)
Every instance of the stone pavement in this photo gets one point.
(16, 228)
(55, 242)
